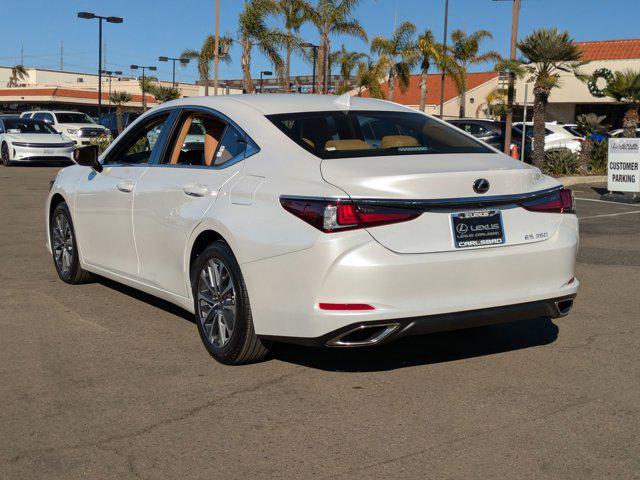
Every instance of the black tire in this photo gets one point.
(242, 344)
(4, 153)
(69, 269)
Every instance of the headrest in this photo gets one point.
(392, 141)
(352, 144)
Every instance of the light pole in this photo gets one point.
(265, 72)
(315, 60)
(515, 13)
(216, 50)
(174, 60)
(90, 16)
(444, 48)
(143, 86)
(110, 74)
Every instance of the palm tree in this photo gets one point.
(398, 54)
(294, 13)
(368, 78)
(148, 84)
(431, 52)
(18, 74)
(547, 53)
(495, 105)
(466, 52)
(119, 99)
(347, 61)
(253, 31)
(333, 17)
(625, 87)
(589, 124)
(206, 55)
(164, 94)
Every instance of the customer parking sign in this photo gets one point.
(624, 165)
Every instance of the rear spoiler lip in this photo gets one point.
(464, 202)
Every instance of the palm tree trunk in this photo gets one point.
(541, 96)
(287, 66)
(392, 86)
(205, 80)
(247, 82)
(423, 91)
(325, 75)
(630, 122)
(585, 155)
(119, 118)
(463, 103)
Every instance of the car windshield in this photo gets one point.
(338, 134)
(25, 125)
(74, 117)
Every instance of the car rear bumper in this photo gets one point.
(362, 334)
(352, 268)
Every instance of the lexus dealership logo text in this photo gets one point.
(481, 185)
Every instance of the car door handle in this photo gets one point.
(125, 186)
(195, 190)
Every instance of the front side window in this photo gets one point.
(204, 140)
(338, 134)
(45, 117)
(138, 147)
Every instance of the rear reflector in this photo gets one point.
(345, 306)
(331, 215)
(560, 201)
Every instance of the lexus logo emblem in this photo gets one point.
(462, 229)
(481, 185)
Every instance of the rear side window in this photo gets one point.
(337, 134)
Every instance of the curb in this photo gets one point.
(577, 180)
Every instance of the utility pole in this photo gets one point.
(444, 46)
(216, 47)
(22, 54)
(512, 78)
(61, 55)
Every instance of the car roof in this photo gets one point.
(274, 103)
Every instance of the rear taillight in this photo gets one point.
(332, 215)
(560, 201)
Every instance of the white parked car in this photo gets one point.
(78, 126)
(23, 140)
(317, 220)
(556, 137)
(618, 133)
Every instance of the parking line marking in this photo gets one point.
(608, 215)
(607, 201)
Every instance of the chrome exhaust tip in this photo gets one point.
(563, 307)
(364, 335)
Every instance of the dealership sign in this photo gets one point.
(624, 165)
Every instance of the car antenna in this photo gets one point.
(343, 100)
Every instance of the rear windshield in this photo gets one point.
(337, 134)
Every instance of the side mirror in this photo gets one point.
(88, 157)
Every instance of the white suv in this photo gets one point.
(78, 126)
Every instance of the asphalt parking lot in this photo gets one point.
(99, 381)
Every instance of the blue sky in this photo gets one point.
(166, 27)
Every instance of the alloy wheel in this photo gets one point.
(62, 239)
(5, 155)
(216, 302)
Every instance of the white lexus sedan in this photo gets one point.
(24, 140)
(319, 220)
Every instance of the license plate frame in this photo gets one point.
(481, 228)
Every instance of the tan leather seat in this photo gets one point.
(352, 144)
(308, 142)
(175, 155)
(393, 141)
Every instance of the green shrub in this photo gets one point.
(102, 143)
(561, 162)
(599, 156)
